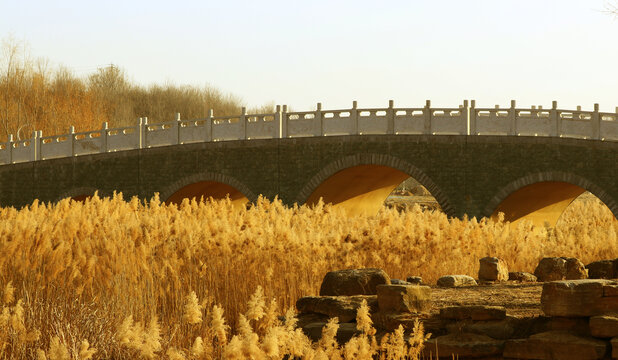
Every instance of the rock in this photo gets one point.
(493, 269)
(603, 269)
(522, 276)
(496, 329)
(353, 282)
(573, 325)
(399, 282)
(572, 298)
(610, 290)
(390, 321)
(308, 318)
(416, 280)
(473, 312)
(551, 269)
(575, 269)
(463, 345)
(456, 281)
(342, 307)
(614, 343)
(604, 326)
(560, 268)
(555, 345)
(345, 332)
(404, 298)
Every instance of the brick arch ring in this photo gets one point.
(550, 176)
(375, 159)
(207, 176)
(86, 190)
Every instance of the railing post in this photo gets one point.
(596, 123)
(243, 123)
(72, 139)
(427, 114)
(555, 119)
(9, 145)
(143, 132)
(34, 146)
(103, 137)
(354, 118)
(176, 131)
(472, 122)
(284, 121)
(513, 118)
(278, 120)
(390, 117)
(319, 120)
(209, 125)
(465, 113)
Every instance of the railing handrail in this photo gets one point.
(465, 119)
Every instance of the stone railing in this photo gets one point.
(465, 119)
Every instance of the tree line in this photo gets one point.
(35, 96)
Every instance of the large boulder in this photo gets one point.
(473, 312)
(603, 269)
(342, 307)
(555, 345)
(463, 345)
(560, 268)
(404, 298)
(522, 276)
(456, 281)
(604, 326)
(572, 298)
(493, 269)
(353, 282)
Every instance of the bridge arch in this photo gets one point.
(388, 172)
(207, 184)
(79, 194)
(542, 197)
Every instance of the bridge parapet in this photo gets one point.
(466, 119)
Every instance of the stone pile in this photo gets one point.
(580, 315)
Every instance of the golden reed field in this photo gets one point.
(110, 278)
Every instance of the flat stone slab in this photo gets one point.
(456, 281)
(604, 326)
(342, 307)
(353, 282)
(522, 276)
(463, 345)
(473, 312)
(556, 345)
(404, 298)
(344, 333)
(572, 298)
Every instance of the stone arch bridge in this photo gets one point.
(527, 163)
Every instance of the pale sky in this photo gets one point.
(302, 52)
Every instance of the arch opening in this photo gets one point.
(203, 190)
(364, 189)
(542, 203)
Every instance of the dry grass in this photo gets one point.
(114, 279)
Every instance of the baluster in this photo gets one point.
(428, 115)
(513, 116)
(72, 139)
(390, 117)
(596, 123)
(319, 120)
(555, 120)
(103, 137)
